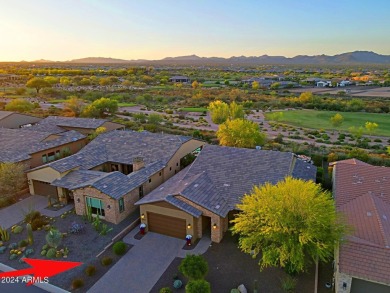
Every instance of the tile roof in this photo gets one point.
(54, 124)
(362, 194)
(4, 114)
(220, 176)
(18, 144)
(183, 206)
(76, 178)
(122, 147)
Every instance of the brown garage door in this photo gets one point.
(174, 227)
(44, 188)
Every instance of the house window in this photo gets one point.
(141, 191)
(177, 164)
(121, 205)
(159, 174)
(150, 180)
(96, 205)
(44, 158)
(58, 155)
(170, 168)
(51, 156)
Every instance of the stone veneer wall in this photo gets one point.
(111, 215)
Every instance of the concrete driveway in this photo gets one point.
(141, 267)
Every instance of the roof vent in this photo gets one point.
(104, 186)
(369, 214)
(384, 217)
(226, 185)
(161, 188)
(196, 185)
(217, 206)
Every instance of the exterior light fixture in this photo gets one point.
(215, 226)
(344, 286)
(189, 226)
(143, 216)
(78, 200)
(108, 207)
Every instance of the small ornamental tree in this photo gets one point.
(337, 120)
(288, 224)
(54, 238)
(194, 267)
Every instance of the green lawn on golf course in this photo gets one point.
(321, 120)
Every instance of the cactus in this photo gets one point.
(4, 234)
(53, 238)
(30, 235)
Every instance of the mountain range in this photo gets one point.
(356, 57)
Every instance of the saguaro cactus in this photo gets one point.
(30, 235)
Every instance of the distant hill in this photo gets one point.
(357, 57)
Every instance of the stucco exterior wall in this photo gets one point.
(36, 158)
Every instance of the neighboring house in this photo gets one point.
(113, 171)
(35, 148)
(323, 83)
(178, 78)
(266, 83)
(57, 124)
(16, 120)
(362, 195)
(202, 199)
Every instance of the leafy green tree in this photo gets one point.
(306, 97)
(65, 80)
(19, 105)
(371, 126)
(139, 117)
(240, 133)
(12, 179)
(275, 86)
(195, 84)
(37, 83)
(198, 286)
(100, 108)
(255, 85)
(236, 111)
(194, 267)
(356, 131)
(337, 120)
(288, 224)
(75, 105)
(51, 80)
(275, 116)
(219, 111)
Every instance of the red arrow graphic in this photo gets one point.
(42, 268)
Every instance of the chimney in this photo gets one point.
(138, 163)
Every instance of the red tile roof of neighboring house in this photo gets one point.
(362, 194)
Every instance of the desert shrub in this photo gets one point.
(177, 284)
(28, 252)
(165, 290)
(23, 243)
(194, 267)
(119, 248)
(51, 253)
(31, 216)
(43, 252)
(38, 223)
(76, 228)
(198, 286)
(77, 283)
(90, 270)
(106, 261)
(235, 290)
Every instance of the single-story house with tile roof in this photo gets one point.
(203, 197)
(16, 120)
(35, 148)
(362, 194)
(114, 171)
(58, 124)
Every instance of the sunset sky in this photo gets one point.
(151, 29)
